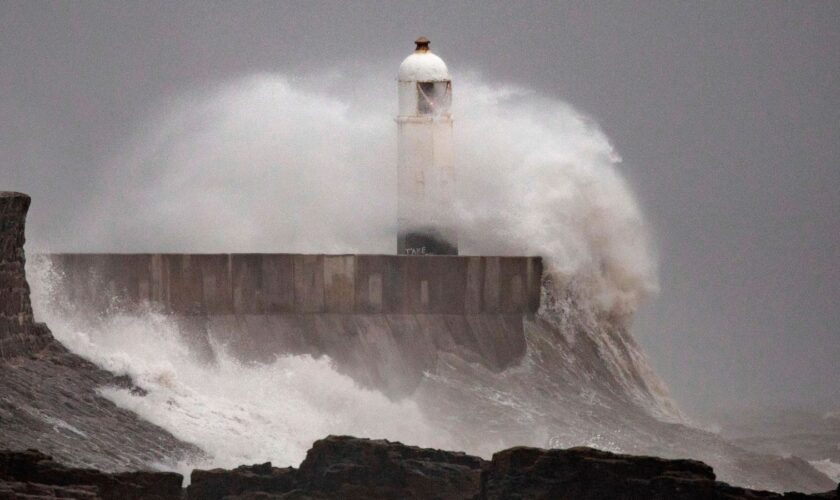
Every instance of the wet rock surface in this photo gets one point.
(48, 395)
(49, 401)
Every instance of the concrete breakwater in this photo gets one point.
(210, 284)
(385, 320)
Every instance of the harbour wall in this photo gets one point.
(384, 320)
(213, 284)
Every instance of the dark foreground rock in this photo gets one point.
(586, 473)
(348, 467)
(221, 483)
(31, 474)
(353, 468)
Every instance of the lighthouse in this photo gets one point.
(425, 170)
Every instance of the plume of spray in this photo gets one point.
(235, 412)
(269, 163)
(539, 178)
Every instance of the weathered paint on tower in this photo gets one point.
(425, 170)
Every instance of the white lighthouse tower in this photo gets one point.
(425, 173)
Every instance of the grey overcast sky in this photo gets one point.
(727, 116)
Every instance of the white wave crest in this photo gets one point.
(277, 164)
(236, 412)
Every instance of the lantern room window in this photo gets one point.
(433, 98)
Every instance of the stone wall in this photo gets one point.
(216, 284)
(19, 334)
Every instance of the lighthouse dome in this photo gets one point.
(423, 66)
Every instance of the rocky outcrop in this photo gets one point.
(31, 474)
(348, 467)
(589, 474)
(352, 468)
(221, 483)
(19, 334)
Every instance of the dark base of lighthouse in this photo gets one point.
(425, 242)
